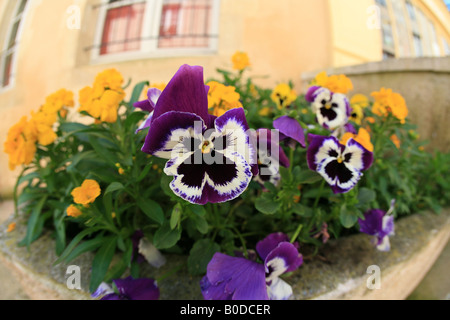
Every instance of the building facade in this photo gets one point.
(52, 44)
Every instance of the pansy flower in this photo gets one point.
(148, 105)
(380, 224)
(128, 289)
(340, 165)
(211, 158)
(290, 131)
(332, 109)
(238, 278)
(270, 156)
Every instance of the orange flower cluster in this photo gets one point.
(22, 137)
(102, 100)
(335, 83)
(387, 101)
(222, 98)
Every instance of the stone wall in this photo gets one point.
(423, 82)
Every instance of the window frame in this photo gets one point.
(13, 51)
(150, 30)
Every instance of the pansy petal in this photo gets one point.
(185, 92)
(279, 290)
(321, 148)
(384, 244)
(311, 94)
(284, 258)
(153, 95)
(372, 223)
(167, 130)
(224, 179)
(339, 176)
(290, 128)
(240, 278)
(146, 123)
(137, 289)
(361, 158)
(269, 243)
(233, 125)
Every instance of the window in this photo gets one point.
(11, 45)
(411, 12)
(139, 29)
(387, 55)
(418, 45)
(381, 3)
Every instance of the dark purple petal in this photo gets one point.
(136, 238)
(185, 92)
(159, 139)
(149, 104)
(269, 243)
(137, 289)
(315, 143)
(236, 278)
(111, 296)
(372, 223)
(284, 258)
(311, 93)
(350, 128)
(291, 128)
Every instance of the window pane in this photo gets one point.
(185, 23)
(418, 46)
(122, 29)
(21, 7)
(7, 70)
(13, 35)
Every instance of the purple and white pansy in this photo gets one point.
(211, 158)
(238, 278)
(380, 224)
(340, 165)
(128, 289)
(332, 110)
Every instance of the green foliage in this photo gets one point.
(135, 193)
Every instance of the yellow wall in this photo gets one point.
(356, 39)
(283, 38)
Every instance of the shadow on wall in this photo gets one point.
(423, 82)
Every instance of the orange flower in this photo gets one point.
(335, 83)
(87, 193)
(240, 60)
(11, 227)
(363, 137)
(395, 140)
(20, 143)
(387, 102)
(222, 98)
(73, 211)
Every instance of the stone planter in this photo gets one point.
(339, 271)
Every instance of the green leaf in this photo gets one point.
(145, 171)
(33, 223)
(200, 223)
(348, 218)
(200, 255)
(114, 187)
(308, 177)
(176, 215)
(366, 196)
(80, 236)
(151, 209)
(137, 90)
(101, 262)
(165, 237)
(302, 210)
(85, 246)
(266, 204)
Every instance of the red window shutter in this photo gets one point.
(122, 29)
(169, 20)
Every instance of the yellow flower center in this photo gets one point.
(206, 147)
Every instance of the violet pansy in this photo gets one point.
(237, 278)
(332, 110)
(211, 158)
(340, 165)
(380, 224)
